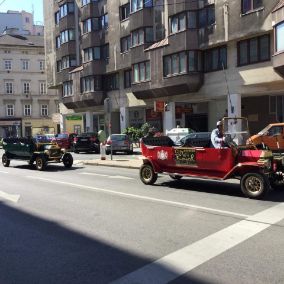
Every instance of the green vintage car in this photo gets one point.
(34, 151)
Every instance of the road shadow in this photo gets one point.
(36, 250)
(49, 168)
(218, 187)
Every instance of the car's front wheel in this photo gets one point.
(68, 160)
(5, 161)
(254, 185)
(40, 163)
(147, 174)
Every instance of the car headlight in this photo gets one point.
(47, 152)
(267, 164)
(63, 150)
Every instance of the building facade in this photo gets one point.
(26, 106)
(21, 22)
(200, 60)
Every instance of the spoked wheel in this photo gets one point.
(67, 160)
(5, 161)
(147, 174)
(175, 177)
(254, 185)
(40, 163)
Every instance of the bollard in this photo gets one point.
(103, 151)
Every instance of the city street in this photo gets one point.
(94, 224)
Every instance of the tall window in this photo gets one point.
(26, 87)
(125, 44)
(91, 24)
(279, 31)
(25, 64)
(66, 36)
(124, 11)
(10, 110)
(41, 65)
(254, 50)
(42, 88)
(8, 64)
(91, 84)
(85, 2)
(127, 79)
(67, 88)
(68, 61)
(141, 36)
(8, 87)
(27, 110)
(250, 5)
(215, 59)
(44, 110)
(140, 4)
(141, 72)
(206, 16)
(65, 9)
(111, 82)
(178, 23)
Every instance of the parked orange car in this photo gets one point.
(272, 137)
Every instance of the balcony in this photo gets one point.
(67, 22)
(84, 100)
(188, 38)
(95, 67)
(278, 63)
(66, 49)
(94, 38)
(183, 6)
(90, 10)
(141, 18)
(171, 86)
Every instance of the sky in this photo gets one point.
(27, 5)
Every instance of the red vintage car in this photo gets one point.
(64, 140)
(258, 170)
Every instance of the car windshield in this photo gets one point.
(118, 137)
(62, 135)
(236, 129)
(264, 130)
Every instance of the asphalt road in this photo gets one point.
(95, 224)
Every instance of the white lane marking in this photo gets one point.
(102, 175)
(93, 174)
(3, 172)
(184, 260)
(142, 197)
(11, 197)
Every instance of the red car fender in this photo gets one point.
(154, 165)
(242, 168)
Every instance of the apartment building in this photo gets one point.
(167, 62)
(25, 106)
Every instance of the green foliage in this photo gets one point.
(136, 133)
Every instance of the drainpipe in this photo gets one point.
(226, 20)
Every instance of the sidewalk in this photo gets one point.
(134, 162)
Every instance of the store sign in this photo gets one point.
(136, 116)
(10, 122)
(74, 117)
(159, 106)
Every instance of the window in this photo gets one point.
(215, 59)
(67, 88)
(42, 88)
(178, 23)
(65, 9)
(141, 72)
(279, 31)
(8, 64)
(68, 61)
(66, 36)
(27, 19)
(27, 110)
(124, 11)
(10, 110)
(207, 16)
(25, 64)
(85, 2)
(111, 82)
(91, 24)
(251, 5)
(125, 44)
(56, 18)
(191, 19)
(8, 87)
(58, 66)
(140, 4)
(41, 65)
(57, 42)
(141, 36)
(44, 110)
(26, 87)
(91, 84)
(127, 79)
(254, 50)
(104, 21)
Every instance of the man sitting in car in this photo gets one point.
(217, 137)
